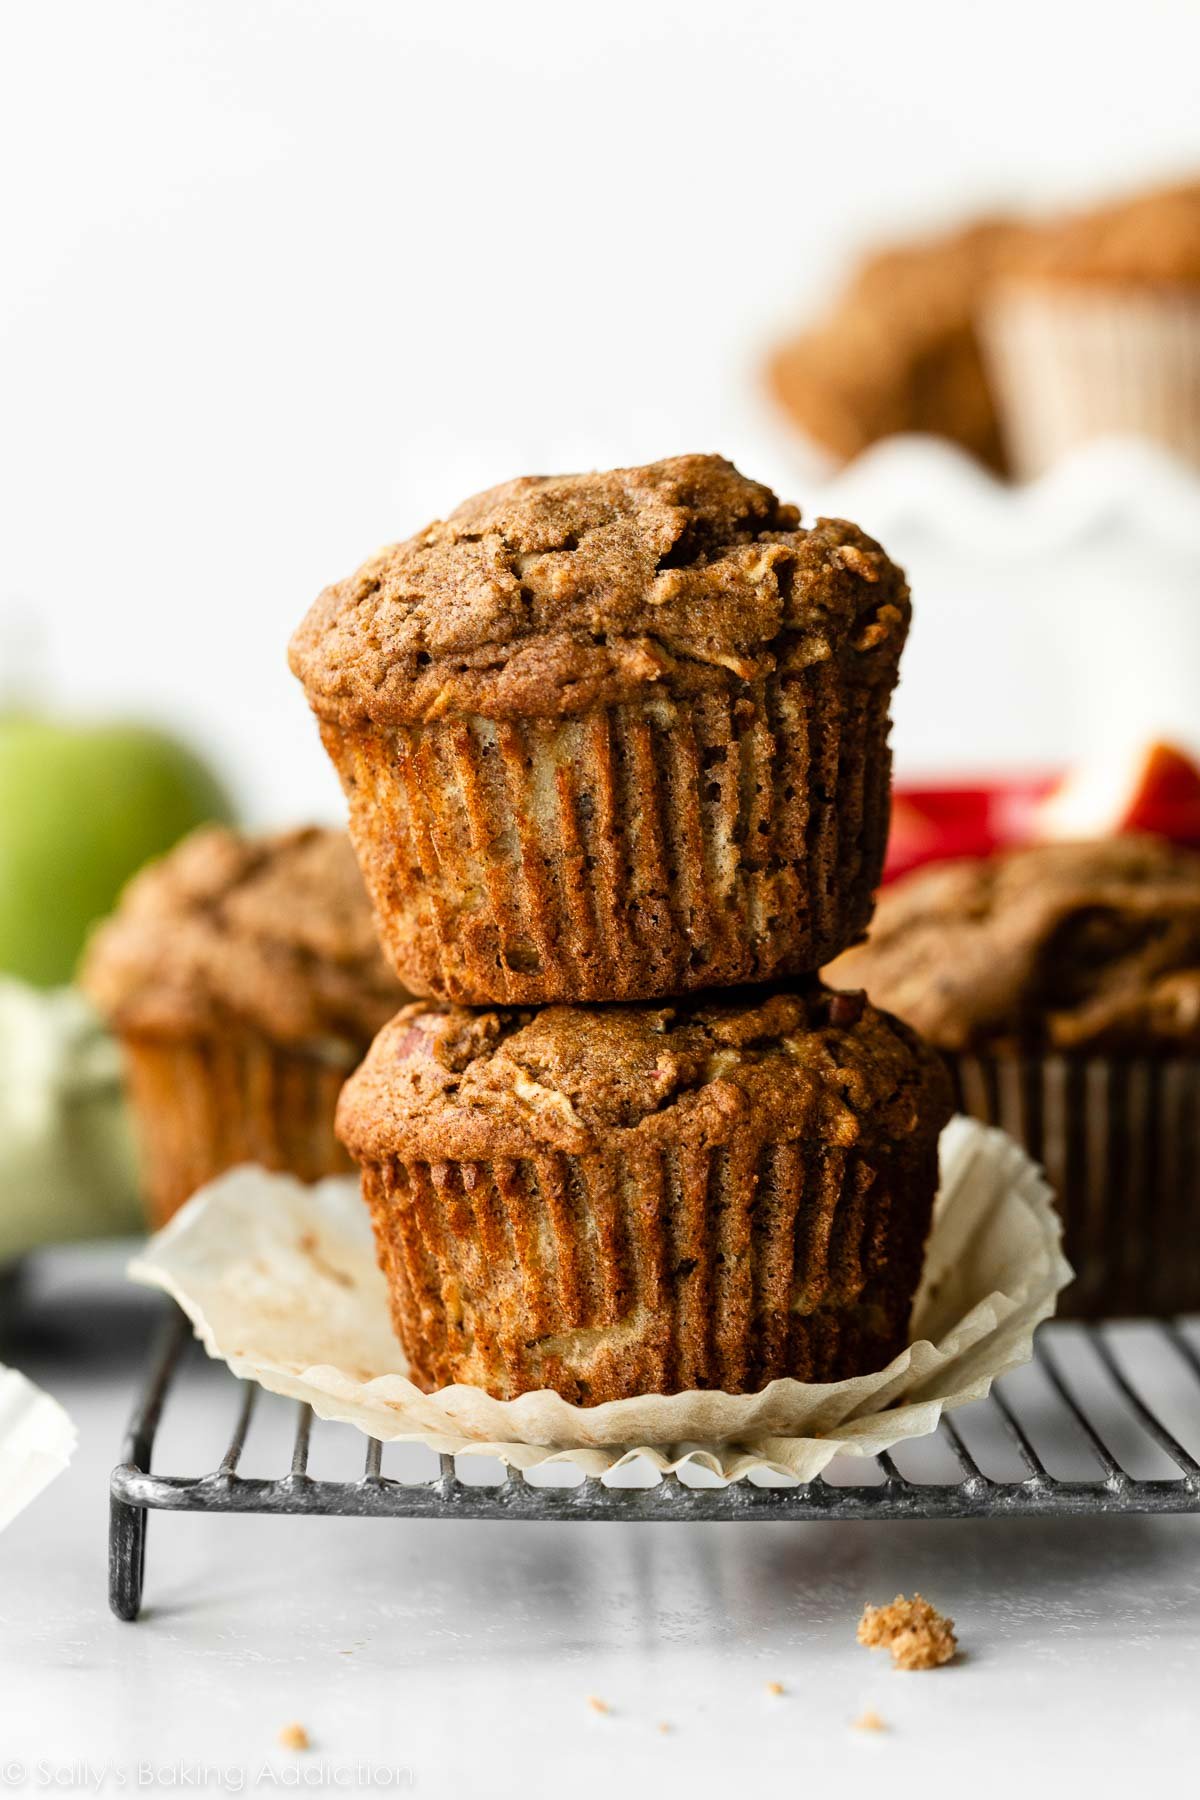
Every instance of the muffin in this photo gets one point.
(610, 1201)
(613, 737)
(899, 351)
(1096, 331)
(244, 981)
(1063, 983)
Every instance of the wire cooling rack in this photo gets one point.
(1098, 1425)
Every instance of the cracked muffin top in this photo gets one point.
(275, 932)
(442, 1082)
(1068, 946)
(554, 593)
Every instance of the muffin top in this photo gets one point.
(553, 594)
(1065, 946)
(441, 1082)
(275, 932)
(1151, 238)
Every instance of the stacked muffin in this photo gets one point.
(611, 743)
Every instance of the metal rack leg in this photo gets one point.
(126, 1558)
(127, 1523)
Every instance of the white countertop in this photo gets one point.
(466, 1653)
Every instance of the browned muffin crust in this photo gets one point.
(1146, 239)
(899, 351)
(1073, 946)
(550, 595)
(611, 1200)
(442, 1082)
(274, 933)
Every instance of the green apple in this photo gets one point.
(82, 807)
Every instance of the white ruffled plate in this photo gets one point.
(1053, 622)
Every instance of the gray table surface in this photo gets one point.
(462, 1658)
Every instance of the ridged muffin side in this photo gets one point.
(614, 1201)
(613, 737)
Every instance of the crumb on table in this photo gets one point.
(294, 1737)
(869, 1721)
(775, 1687)
(597, 1705)
(915, 1632)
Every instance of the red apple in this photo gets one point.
(935, 823)
(1154, 789)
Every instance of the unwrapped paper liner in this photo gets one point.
(36, 1442)
(280, 1282)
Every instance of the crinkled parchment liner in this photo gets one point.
(37, 1439)
(280, 1282)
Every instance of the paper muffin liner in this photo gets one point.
(653, 1270)
(202, 1106)
(280, 1282)
(1119, 1140)
(1072, 362)
(627, 852)
(37, 1440)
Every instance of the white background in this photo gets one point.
(283, 281)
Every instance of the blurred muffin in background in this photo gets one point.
(899, 349)
(1017, 339)
(1063, 984)
(245, 982)
(1094, 331)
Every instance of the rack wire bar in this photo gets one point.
(135, 1491)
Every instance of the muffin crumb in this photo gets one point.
(294, 1737)
(775, 1688)
(597, 1705)
(869, 1721)
(915, 1632)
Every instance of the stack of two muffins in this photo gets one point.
(611, 744)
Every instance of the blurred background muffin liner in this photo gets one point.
(1073, 362)
(203, 1106)
(1119, 1139)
